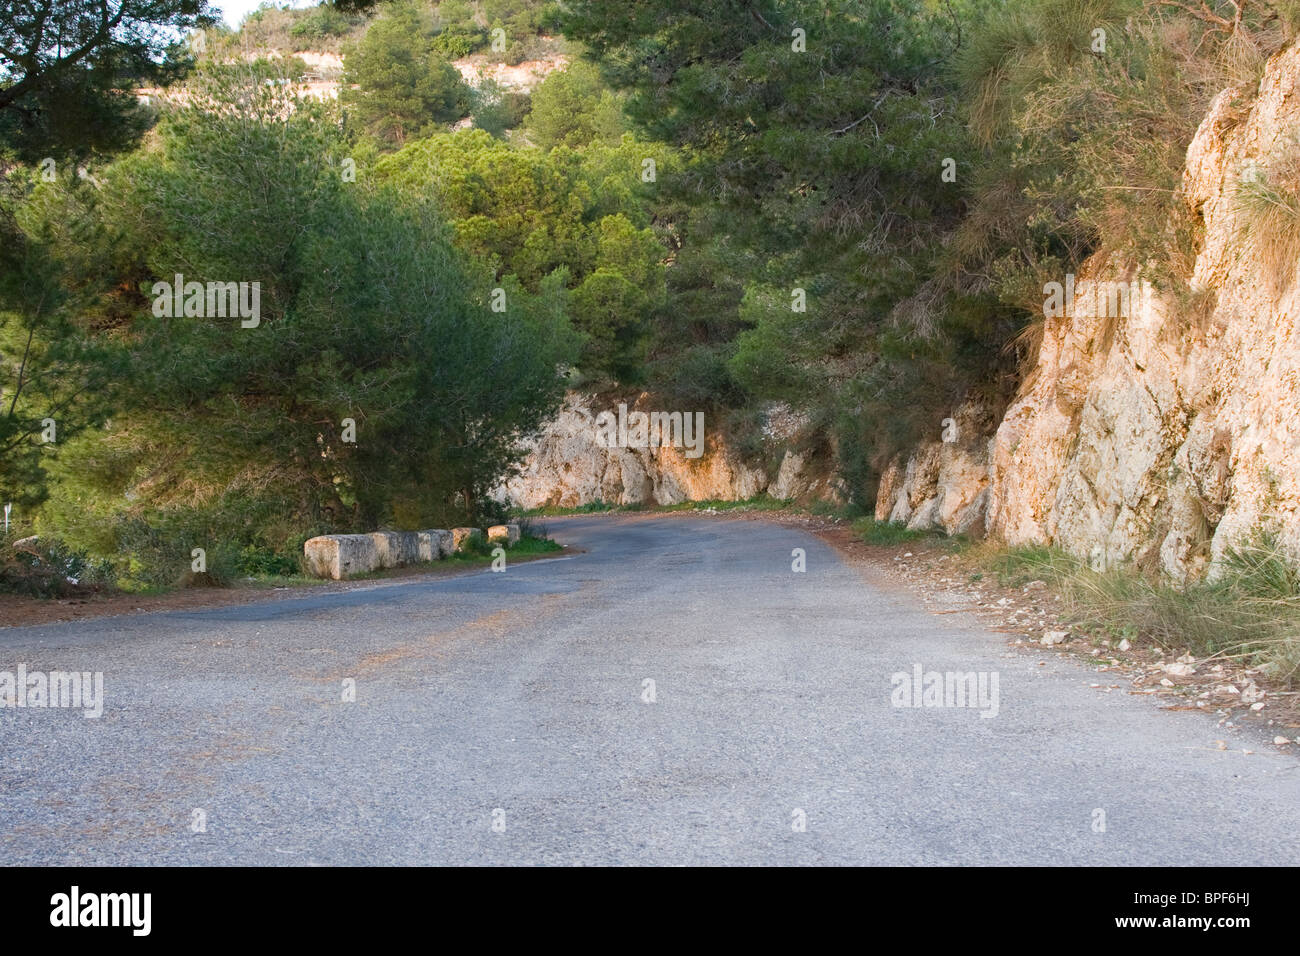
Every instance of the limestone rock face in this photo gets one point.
(789, 482)
(944, 484)
(1167, 440)
(567, 466)
(798, 479)
(1162, 436)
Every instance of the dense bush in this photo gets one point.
(397, 84)
(322, 23)
(47, 567)
(367, 313)
(544, 219)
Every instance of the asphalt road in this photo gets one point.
(503, 718)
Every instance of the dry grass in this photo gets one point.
(1267, 201)
(1250, 611)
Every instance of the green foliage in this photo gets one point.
(823, 167)
(574, 108)
(1085, 145)
(459, 31)
(497, 109)
(697, 377)
(608, 306)
(66, 68)
(1258, 568)
(820, 170)
(693, 339)
(47, 568)
(1019, 565)
(523, 21)
(509, 207)
(227, 436)
(407, 88)
(842, 512)
(255, 561)
(314, 28)
(326, 27)
(540, 220)
(56, 377)
(532, 544)
(889, 533)
(479, 550)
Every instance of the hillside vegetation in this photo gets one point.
(848, 207)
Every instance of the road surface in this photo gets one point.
(506, 718)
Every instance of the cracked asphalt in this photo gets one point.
(505, 719)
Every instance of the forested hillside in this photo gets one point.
(847, 209)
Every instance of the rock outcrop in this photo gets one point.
(944, 484)
(567, 466)
(1163, 436)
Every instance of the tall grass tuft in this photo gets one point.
(1267, 201)
(1249, 610)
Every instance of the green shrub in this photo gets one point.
(534, 545)
(48, 568)
(405, 87)
(1032, 562)
(889, 532)
(829, 509)
(321, 22)
(256, 561)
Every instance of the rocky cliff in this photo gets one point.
(568, 465)
(1161, 436)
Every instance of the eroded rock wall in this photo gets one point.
(1163, 436)
(944, 483)
(567, 466)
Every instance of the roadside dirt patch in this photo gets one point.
(1035, 621)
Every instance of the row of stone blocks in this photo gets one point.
(341, 556)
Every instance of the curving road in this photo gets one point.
(525, 693)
